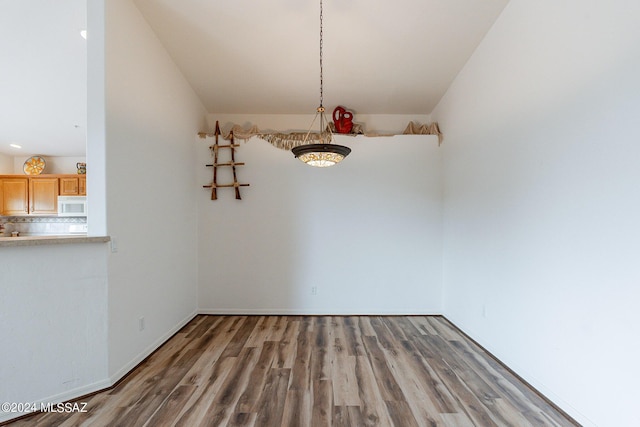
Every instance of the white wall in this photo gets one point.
(541, 201)
(366, 232)
(53, 164)
(6, 164)
(71, 318)
(53, 322)
(96, 119)
(152, 118)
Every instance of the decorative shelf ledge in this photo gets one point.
(287, 141)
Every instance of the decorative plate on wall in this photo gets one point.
(34, 165)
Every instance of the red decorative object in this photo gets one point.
(342, 119)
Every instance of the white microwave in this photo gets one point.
(72, 206)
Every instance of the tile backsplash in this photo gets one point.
(43, 225)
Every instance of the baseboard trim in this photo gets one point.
(147, 352)
(313, 312)
(514, 373)
(65, 396)
(84, 392)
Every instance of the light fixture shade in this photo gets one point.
(321, 155)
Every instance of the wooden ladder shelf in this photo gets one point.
(216, 164)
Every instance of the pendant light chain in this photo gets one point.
(324, 153)
(321, 77)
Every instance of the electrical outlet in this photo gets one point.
(114, 244)
(314, 290)
(141, 323)
(484, 310)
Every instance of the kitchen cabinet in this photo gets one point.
(73, 186)
(37, 195)
(43, 196)
(82, 185)
(14, 196)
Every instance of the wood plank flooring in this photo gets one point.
(315, 371)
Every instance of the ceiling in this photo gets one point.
(242, 56)
(247, 56)
(43, 77)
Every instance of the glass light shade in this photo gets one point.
(321, 155)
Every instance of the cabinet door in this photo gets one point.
(43, 196)
(82, 185)
(69, 186)
(14, 196)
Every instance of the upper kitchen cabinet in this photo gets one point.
(43, 196)
(14, 196)
(73, 185)
(82, 186)
(37, 195)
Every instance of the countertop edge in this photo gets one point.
(50, 240)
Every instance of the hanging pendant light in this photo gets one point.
(325, 153)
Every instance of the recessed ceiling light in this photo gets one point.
(83, 33)
(15, 146)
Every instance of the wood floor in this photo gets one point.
(315, 371)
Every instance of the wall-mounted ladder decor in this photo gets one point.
(215, 149)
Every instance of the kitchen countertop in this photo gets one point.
(50, 240)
